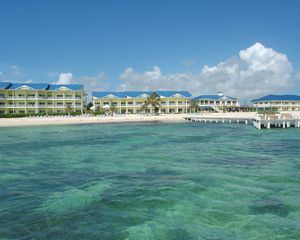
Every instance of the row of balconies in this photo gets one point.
(278, 104)
(39, 98)
(139, 105)
(218, 104)
(37, 106)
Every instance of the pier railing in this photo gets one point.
(260, 121)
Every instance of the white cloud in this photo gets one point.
(91, 83)
(94, 83)
(65, 78)
(255, 71)
(29, 80)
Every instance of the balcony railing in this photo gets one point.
(38, 98)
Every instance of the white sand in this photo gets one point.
(9, 122)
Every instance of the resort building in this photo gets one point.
(218, 102)
(32, 98)
(278, 102)
(132, 101)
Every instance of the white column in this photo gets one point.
(186, 105)
(36, 101)
(74, 102)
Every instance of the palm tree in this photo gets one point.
(152, 102)
(193, 106)
(98, 110)
(69, 109)
(112, 109)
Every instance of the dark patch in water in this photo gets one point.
(178, 233)
(269, 205)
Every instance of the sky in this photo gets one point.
(243, 48)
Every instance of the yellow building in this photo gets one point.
(32, 98)
(278, 102)
(132, 101)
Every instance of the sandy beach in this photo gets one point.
(58, 120)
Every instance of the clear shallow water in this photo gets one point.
(149, 181)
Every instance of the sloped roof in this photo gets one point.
(74, 87)
(273, 97)
(35, 86)
(40, 86)
(134, 94)
(214, 97)
(5, 85)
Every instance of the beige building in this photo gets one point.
(278, 102)
(32, 98)
(132, 101)
(216, 102)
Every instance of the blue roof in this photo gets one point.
(74, 87)
(40, 86)
(5, 85)
(134, 94)
(214, 97)
(36, 86)
(273, 97)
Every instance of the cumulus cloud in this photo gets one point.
(255, 71)
(65, 78)
(91, 83)
(94, 83)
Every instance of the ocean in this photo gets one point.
(149, 181)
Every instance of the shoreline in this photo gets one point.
(74, 120)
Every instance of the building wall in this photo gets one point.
(279, 105)
(39, 101)
(218, 103)
(133, 105)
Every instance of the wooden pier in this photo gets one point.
(259, 122)
(220, 120)
(268, 123)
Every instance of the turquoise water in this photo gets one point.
(149, 181)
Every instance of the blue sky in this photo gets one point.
(42, 39)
